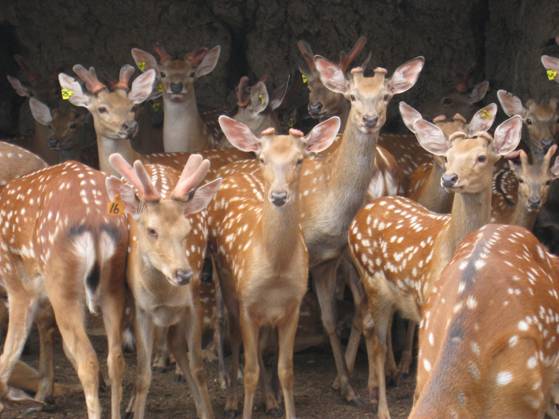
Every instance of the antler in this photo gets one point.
(126, 72)
(89, 77)
(194, 172)
(137, 176)
(307, 54)
(242, 91)
(463, 79)
(163, 54)
(548, 156)
(30, 75)
(347, 59)
(196, 57)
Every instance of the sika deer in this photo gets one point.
(488, 339)
(59, 242)
(16, 162)
(168, 240)
(334, 186)
(183, 129)
(261, 253)
(398, 270)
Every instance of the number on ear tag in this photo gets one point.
(116, 206)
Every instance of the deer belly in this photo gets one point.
(273, 304)
(166, 316)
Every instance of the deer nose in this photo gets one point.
(534, 202)
(449, 180)
(278, 198)
(183, 276)
(370, 121)
(315, 108)
(130, 126)
(53, 143)
(176, 88)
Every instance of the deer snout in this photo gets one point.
(534, 202)
(314, 108)
(183, 276)
(278, 198)
(130, 127)
(53, 143)
(176, 88)
(449, 180)
(370, 121)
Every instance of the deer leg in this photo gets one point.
(250, 332)
(161, 360)
(194, 328)
(219, 328)
(324, 277)
(232, 400)
(286, 341)
(355, 335)
(376, 348)
(391, 366)
(46, 327)
(407, 354)
(144, 330)
(271, 403)
(112, 307)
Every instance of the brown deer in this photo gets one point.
(488, 341)
(183, 129)
(17, 161)
(58, 243)
(261, 251)
(168, 239)
(400, 248)
(334, 186)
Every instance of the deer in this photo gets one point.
(334, 185)
(168, 229)
(61, 246)
(474, 364)
(255, 255)
(183, 129)
(398, 270)
(17, 161)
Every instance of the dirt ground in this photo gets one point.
(314, 398)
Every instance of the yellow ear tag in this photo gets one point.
(156, 105)
(159, 87)
(66, 93)
(305, 78)
(551, 74)
(142, 65)
(261, 99)
(116, 206)
(485, 114)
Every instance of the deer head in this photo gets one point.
(113, 111)
(369, 96)
(165, 220)
(541, 121)
(177, 75)
(280, 156)
(470, 159)
(534, 179)
(323, 102)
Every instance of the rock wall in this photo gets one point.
(503, 37)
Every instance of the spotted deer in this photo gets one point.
(400, 248)
(17, 161)
(183, 129)
(168, 232)
(473, 364)
(59, 244)
(261, 252)
(334, 186)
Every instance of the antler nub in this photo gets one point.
(162, 52)
(348, 58)
(89, 77)
(126, 72)
(196, 57)
(136, 175)
(194, 172)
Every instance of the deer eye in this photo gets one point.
(192, 74)
(102, 109)
(520, 180)
(261, 160)
(352, 98)
(299, 162)
(386, 97)
(152, 233)
(548, 182)
(482, 159)
(446, 101)
(162, 74)
(72, 125)
(529, 121)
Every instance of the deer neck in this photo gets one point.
(344, 114)
(521, 216)
(279, 231)
(107, 146)
(183, 128)
(432, 195)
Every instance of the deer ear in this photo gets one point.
(483, 119)
(507, 135)
(409, 115)
(118, 188)
(142, 87)
(259, 98)
(478, 92)
(510, 103)
(208, 62)
(202, 197)
(40, 111)
(144, 60)
(405, 76)
(554, 169)
(278, 95)
(239, 134)
(72, 90)
(20, 89)
(331, 75)
(322, 135)
(551, 63)
(431, 137)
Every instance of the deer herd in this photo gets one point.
(225, 225)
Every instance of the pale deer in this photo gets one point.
(59, 244)
(260, 249)
(17, 161)
(168, 232)
(488, 340)
(400, 248)
(334, 186)
(183, 129)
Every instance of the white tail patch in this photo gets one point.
(376, 186)
(84, 249)
(107, 247)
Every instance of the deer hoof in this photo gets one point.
(276, 412)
